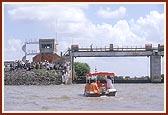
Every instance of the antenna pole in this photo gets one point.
(56, 28)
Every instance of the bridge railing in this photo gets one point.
(113, 49)
(90, 49)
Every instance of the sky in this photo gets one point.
(85, 24)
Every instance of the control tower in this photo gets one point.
(48, 48)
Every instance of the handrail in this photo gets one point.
(114, 49)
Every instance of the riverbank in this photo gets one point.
(33, 77)
(82, 80)
(48, 77)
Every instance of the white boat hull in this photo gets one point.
(109, 92)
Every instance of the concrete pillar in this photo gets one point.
(69, 72)
(72, 67)
(155, 68)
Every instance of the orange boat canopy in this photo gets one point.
(100, 74)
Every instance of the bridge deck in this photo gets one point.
(115, 52)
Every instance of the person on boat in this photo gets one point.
(99, 83)
(109, 82)
(101, 86)
(94, 87)
(87, 87)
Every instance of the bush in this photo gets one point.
(81, 68)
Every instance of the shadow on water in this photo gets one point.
(45, 108)
(65, 97)
(103, 96)
(80, 95)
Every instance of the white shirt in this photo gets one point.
(109, 83)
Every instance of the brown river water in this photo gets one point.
(57, 98)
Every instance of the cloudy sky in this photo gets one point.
(86, 24)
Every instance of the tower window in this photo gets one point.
(47, 46)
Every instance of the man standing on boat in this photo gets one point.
(109, 82)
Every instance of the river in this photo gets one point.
(57, 98)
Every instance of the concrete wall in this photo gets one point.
(47, 57)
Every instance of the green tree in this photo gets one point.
(81, 68)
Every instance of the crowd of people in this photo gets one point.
(19, 64)
(62, 66)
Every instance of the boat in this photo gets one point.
(101, 81)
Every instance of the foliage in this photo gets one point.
(100, 78)
(81, 68)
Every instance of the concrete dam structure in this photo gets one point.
(48, 47)
(154, 53)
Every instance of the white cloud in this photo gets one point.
(150, 27)
(68, 13)
(13, 49)
(13, 45)
(70, 18)
(72, 23)
(112, 14)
